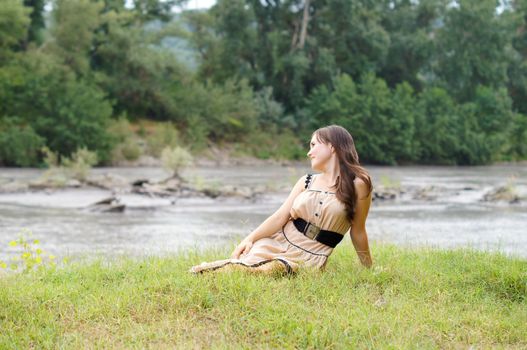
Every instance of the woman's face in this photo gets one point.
(319, 153)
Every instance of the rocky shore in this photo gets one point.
(178, 187)
(498, 194)
(174, 187)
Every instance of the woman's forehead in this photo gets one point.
(315, 137)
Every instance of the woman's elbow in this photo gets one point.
(359, 234)
(281, 217)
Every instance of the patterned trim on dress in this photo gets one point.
(309, 181)
(287, 239)
(322, 191)
(288, 268)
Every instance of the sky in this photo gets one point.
(191, 4)
(199, 4)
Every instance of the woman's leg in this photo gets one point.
(268, 267)
(210, 266)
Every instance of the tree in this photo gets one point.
(517, 68)
(14, 23)
(66, 111)
(37, 26)
(73, 31)
(472, 48)
(381, 121)
(437, 127)
(410, 25)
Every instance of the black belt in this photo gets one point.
(326, 237)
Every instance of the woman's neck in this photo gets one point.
(330, 174)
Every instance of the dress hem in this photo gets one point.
(288, 269)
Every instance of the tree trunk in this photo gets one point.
(305, 20)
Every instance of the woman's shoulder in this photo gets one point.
(302, 183)
(307, 178)
(361, 188)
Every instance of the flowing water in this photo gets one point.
(456, 217)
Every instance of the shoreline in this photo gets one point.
(216, 158)
(232, 161)
(205, 179)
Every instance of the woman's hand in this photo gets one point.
(243, 248)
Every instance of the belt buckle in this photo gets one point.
(311, 231)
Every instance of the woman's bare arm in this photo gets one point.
(359, 237)
(275, 222)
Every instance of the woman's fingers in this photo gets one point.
(237, 251)
(248, 247)
(241, 248)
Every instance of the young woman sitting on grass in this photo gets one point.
(316, 215)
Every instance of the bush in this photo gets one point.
(518, 137)
(437, 127)
(272, 144)
(120, 129)
(126, 143)
(220, 113)
(270, 112)
(175, 159)
(80, 163)
(196, 134)
(67, 111)
(380, 120)
(19, 144)
(131, 150)
(164, 135)
(29, 255)
(60, 172)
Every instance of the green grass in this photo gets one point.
(414, 298)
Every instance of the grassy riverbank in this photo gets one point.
(413, 298)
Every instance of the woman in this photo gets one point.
(319, 211)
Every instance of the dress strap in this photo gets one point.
(308, 180)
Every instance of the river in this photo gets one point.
(155, 226)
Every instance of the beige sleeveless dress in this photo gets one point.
(288, 245)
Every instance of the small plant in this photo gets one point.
(54, 176)
(121, 129)
(508, 192)
(199, 182)
(76, 167)
(175, 159)
(131, 150)
(164, 135)
(30, 255)
(213, 186)
(127, 142)
(51, 159)
(510, 186)
(80, 163)
(389, 183)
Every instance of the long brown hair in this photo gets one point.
(350, 167)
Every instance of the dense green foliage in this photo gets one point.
(429, 81)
